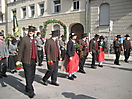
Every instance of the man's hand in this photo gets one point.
(42, 45)
(70, 58)
(18, 62)
(37, 63)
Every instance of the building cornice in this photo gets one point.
(18, 1)
(51, 15)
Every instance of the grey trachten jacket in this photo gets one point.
(39, 43)
(12, 48)
(3, 50)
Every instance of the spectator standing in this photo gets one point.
(4, 53)
(40, 46)
(12, 46)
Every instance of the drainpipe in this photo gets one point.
(6, 17)
(87, 15)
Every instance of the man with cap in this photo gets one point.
(93, 48)
(28, 56)
(40, 46)
(127, 47)
(118, 49)
(3, 55)
(52, 58)
(82, 54)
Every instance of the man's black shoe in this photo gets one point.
(4, 75)
(54, 83)
(100, 65)
(118, 64)
(74, 76)
(45, 83)
(94, 67)
(126, 61)
(71, 78)
(31, 96)
(81, 71)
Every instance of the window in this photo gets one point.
(32, 10)
(41, 6)
(104, 16)
(56, 27)
(57, 6)
(1, 18)
(75, 4)
(23, 12)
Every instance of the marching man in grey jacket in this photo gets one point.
(3, 55)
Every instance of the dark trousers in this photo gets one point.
(29, 70)
(81, 63)
(127, 54)
(12, 61)
(52, 72)
(40, 56)
(3, 66)
(117, 57)
(63, 52)
(93, 58)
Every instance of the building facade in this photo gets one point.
(3, 16)
(118, 11)
(36, 12)
(89, 16)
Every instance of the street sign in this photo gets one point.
(111, 25)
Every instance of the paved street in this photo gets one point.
(109, 82)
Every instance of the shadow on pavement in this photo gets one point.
(14, 82)
(38, 78)
(73, 96)
(128, 69)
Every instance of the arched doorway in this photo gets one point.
(79, 29)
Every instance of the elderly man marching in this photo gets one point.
(52, 58)
(3, 55)
(82, 54)
(118, 49)
(93, 48)
(28, 56)
(127, 47)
